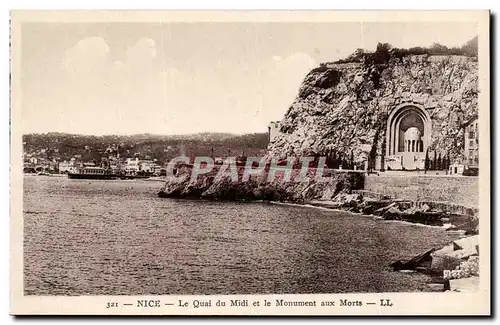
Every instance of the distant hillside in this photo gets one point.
(160, 147)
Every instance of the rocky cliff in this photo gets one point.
(260, 187)
(344, 107)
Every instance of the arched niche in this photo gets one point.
(408, 120)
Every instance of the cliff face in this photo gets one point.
(345, 107)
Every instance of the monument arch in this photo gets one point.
(408, 136)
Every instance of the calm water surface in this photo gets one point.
(117, 237)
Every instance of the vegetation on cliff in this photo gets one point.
(343, 107)
(384, 52)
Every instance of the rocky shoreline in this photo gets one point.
(341, 190)
(454, 267)
(443, 214)
(344, 191)
(260, 187)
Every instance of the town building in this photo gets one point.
(471, 135)
(136, 165)
(457, 168)
(148, 166)
(273, 129)
(68, 166)
(114, 165)
(469, 164)
(132, 165)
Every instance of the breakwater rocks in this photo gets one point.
(267, 186)
(453, 267)
(342, 190)
(452, 216)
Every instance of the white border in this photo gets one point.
(186, 4)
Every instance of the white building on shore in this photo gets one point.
(68, 166)
(136, 165)
(273, 130)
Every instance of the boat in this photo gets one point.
(134, 177)
(92, 173)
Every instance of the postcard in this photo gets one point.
(250, 163)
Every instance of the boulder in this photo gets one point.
(461, 248)
(347, 200)
(424, 208)
(436, 287)
(420, 262)
(468, 243)
(451, 255)
(382, 210)
(470, 284)
(368, 206)
(393, 213)
(443, 262)
(328, 193)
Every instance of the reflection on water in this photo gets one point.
(118, 238)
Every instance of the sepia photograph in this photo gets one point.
(250, 163)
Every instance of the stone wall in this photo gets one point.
(455, 189)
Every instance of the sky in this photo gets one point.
(182, 78)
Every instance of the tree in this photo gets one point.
(381, 54)
(329, 158)
(434, 161)
(427, 160)
(344, 163)
(357, 56)
(333, 159)
(439, 163)
(383, 47)
(351, 162)
(437, 49)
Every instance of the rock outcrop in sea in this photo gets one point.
(260, 187)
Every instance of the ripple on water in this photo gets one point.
(118, 238)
